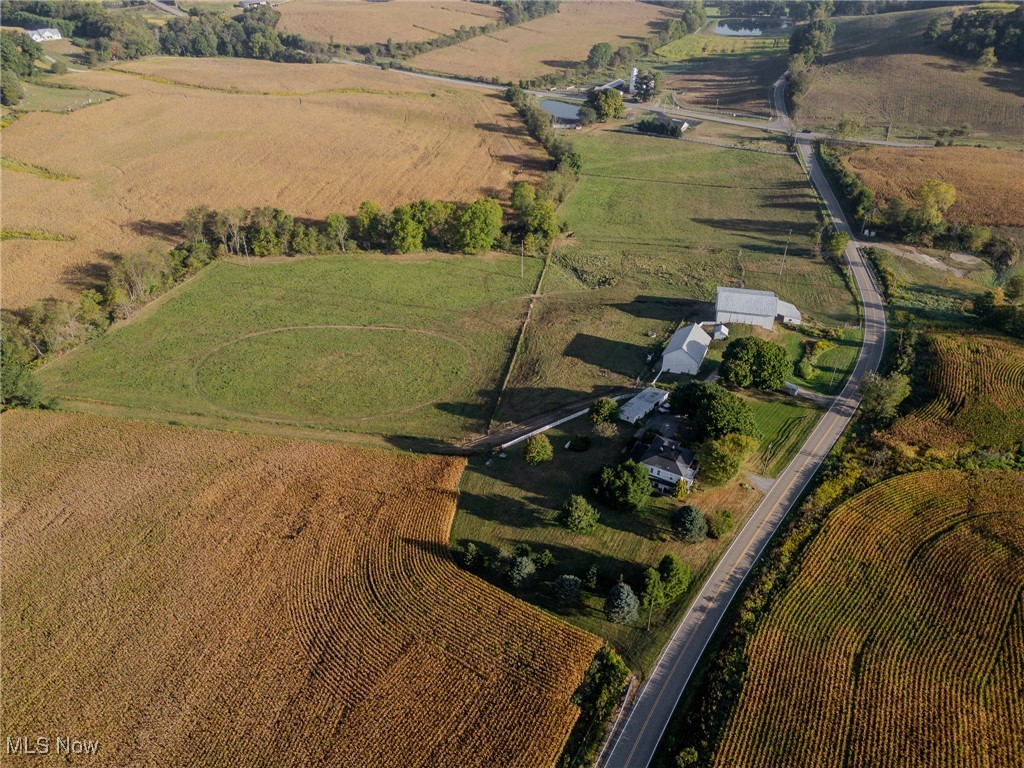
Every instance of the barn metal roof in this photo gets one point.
(747, 302)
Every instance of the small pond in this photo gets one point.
(561, 110)
(751, 27)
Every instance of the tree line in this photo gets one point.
(986, 35)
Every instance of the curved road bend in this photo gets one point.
(637, 739)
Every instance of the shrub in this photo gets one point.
(626, 487)
(521, 570)
(603, 409)
(568, 589)
(580, 443)
(590, 579)
(622, 605)
(538, 450)
(675, 576)
(607, 429)
(719, 525)
(680, 491)
(689, 524)
(578, 516)
(653, 593)
(720, 458)
(470, 554)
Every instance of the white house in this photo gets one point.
(41, 35)
(666, 462)
(685, 351)
(763, 308)
(642, 404)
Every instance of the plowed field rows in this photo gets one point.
(194, 598)
(901, 640)
(979, 400)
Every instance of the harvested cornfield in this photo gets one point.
(550, 43)
(989, 182)
(361, 23)
(901, 640)
(194, 598)
(222, 132)
(979, 397)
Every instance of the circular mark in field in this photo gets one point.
(331, 373)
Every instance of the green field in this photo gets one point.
(505, 502)
(379, 344)
(655, 225)
(708, 44)
(44, 98)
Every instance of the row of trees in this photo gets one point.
(538, 123)
(18, 54)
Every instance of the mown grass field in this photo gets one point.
(550, 43)
(386, 345)
(734, 74)
(882, 71)
(186, 136)
(784, 424)
(989, 182)
(225, 598)
(362, 23)
(978, 402)
(505, 502)
(901, 640)
(655, 225)
(43, 98)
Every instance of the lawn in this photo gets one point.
(44, 98)
(379, 344)
(653, 227)
(505, 503)
(784, 424)
(883, 72)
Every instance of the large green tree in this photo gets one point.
(625, 487)
(881, 395)
(607, 104)
(720, 458)
(621, 606)
(478, 226)
(578, 515)
(755, 361)
(600, 55)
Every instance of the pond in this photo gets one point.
(751, 27)
(560, 109)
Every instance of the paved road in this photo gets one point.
(643, 726)
(168, 7)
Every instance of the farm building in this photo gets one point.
(763, 308)
(41, 35)
(667, 462)
(720, 333)
(642, 404)
(685, 351)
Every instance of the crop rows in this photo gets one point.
(244, 601)
(979, 396)
(900, 641)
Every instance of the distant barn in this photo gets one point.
(42, 35)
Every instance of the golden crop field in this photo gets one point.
(550, 43)
(901, 640)
(195, 598)
(882, 72)
(311, 139)
(989, 182)
(362, 23)
(979, 397)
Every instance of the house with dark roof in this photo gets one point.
(667, 462)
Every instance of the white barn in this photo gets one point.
(642, 404)
(685, 351)
(762, 308)
(41, 35)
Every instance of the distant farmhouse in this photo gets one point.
(245, 4)
(763, 308)
(642, 404)
(666, 462)
(41, 35)
(685, 351)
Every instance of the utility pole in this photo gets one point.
(785, 252)
(522, 258)
(650, 614)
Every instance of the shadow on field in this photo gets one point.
(667, 309)
(81, 277)
(1009, 80)
(168, 230)
(559, 63)
(620, 357)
